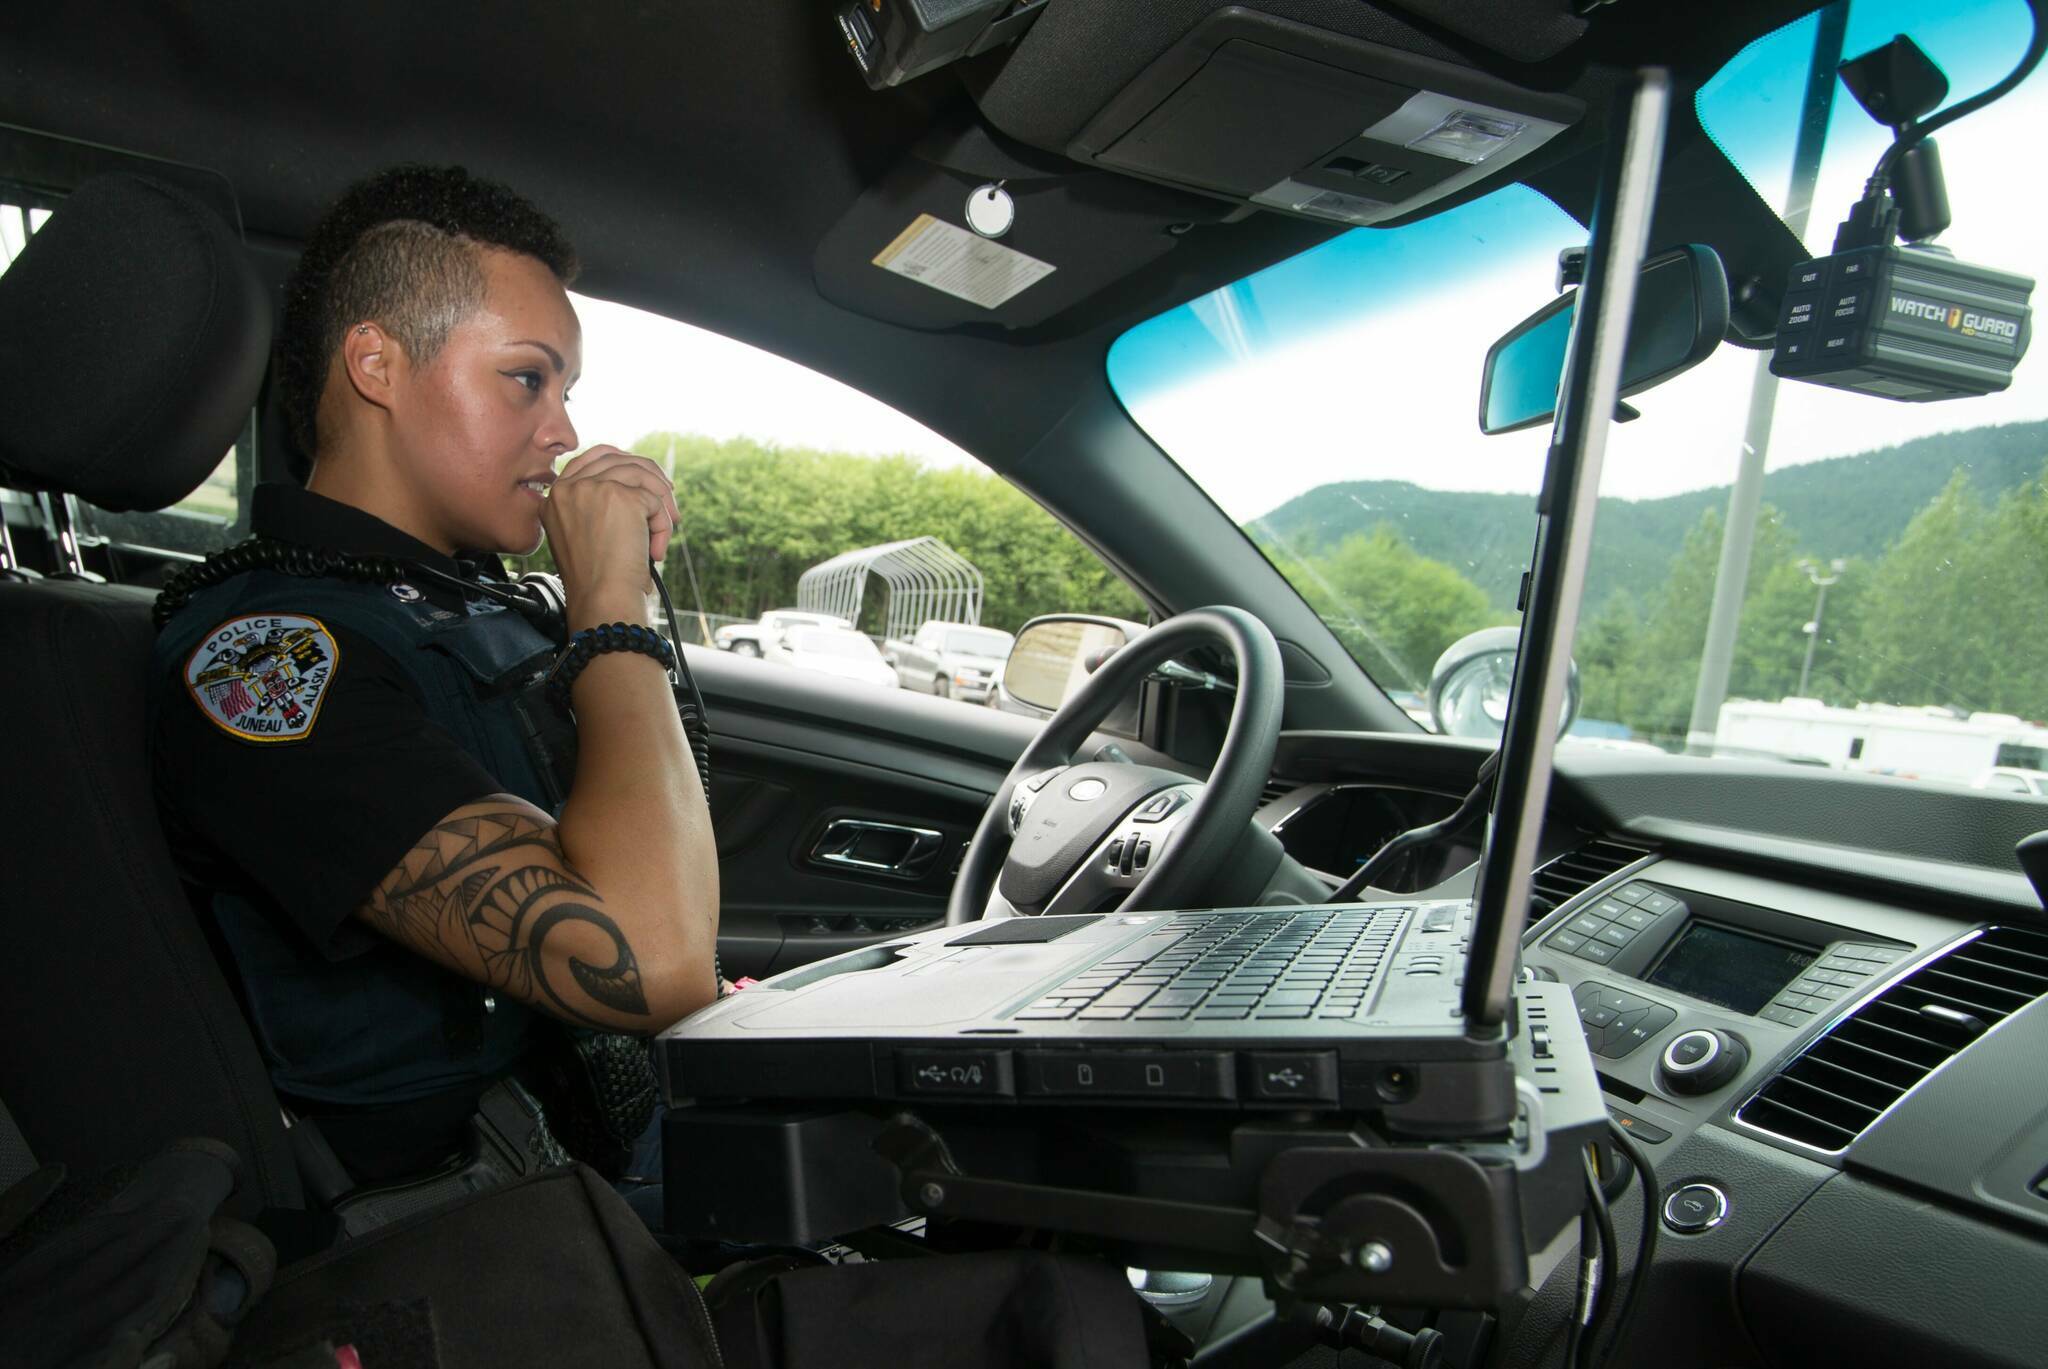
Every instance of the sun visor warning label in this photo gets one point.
(961, 264)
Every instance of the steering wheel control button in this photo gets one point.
(977, 1074)
(1116, 855)
(1087, 790)
(1129, 1074)
(1160, 806)
(1693, 1208)
(1291, 1076)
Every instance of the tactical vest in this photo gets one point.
(365, 1020)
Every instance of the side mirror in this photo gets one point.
(1680, 316)
(1053, 655)
(1468, 689)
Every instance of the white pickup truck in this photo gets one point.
(951, 660)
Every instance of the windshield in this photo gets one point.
(992, 644)
(1900, 558)
(846, 646)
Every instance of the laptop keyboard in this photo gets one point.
(1264, 965)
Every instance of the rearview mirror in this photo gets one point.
(1680, 316)
(1053, 655)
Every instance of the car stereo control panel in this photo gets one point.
(1755, 961)
(1690, 980)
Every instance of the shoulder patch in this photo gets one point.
(263, 677)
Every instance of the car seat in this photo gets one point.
(133, 337)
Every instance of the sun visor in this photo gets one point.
(904, 252)
(1299, 119)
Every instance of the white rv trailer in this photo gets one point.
(1927, 743)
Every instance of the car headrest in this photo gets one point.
(133, 336)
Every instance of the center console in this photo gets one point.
(1690, 979)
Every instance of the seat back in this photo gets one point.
(132, 340)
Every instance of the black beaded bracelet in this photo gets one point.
(590, 643)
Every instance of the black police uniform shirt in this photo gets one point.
(292, 836)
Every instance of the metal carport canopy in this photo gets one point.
(926, 579)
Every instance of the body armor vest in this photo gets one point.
(369, 1021)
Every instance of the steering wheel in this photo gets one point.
(1061, 837)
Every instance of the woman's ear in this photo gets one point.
(372, 360)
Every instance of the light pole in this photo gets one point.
(1745, 496)
(1821, 583)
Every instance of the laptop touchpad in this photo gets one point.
(920, 992)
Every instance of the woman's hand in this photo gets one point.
(608, 514)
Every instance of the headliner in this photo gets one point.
(696, 156)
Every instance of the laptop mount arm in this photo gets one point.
(1335, 1223)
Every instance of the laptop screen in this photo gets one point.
(1586, 402)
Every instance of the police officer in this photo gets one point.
(344, 761)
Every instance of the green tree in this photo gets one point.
(756, 516)
(1921, 639)
(1604, 651)
(1394, 608)
(1954, 606)
(1639, 661)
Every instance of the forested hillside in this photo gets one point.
(1944, 544)
(1848, 506)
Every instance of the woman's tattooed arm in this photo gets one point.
(488, 893)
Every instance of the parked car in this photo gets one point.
(951, 660)
(2013, 780)
(836, 651)
(753, 639)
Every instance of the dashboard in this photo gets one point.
(1820, 1004)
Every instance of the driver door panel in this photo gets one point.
(793, 754)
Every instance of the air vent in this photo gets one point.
(1276, 788)
(1834, 1089)
(1579, 869)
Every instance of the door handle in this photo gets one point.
(888, 849)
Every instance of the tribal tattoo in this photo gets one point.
(491, 888)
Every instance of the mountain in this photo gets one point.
(1844, 506)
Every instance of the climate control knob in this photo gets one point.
(1702, 1060)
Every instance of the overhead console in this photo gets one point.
(1288, 117)
(1108, 133)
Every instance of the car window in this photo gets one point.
(779, 469)
(212, 517)
(1888, 618)
(2011, 783)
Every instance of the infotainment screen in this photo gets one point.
(1733, 969)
